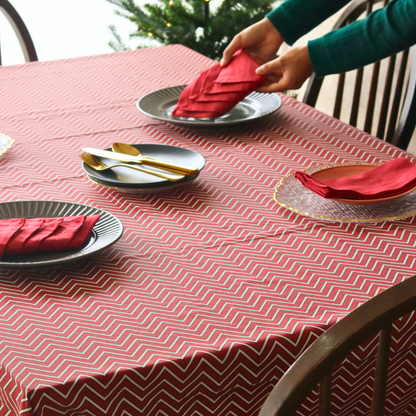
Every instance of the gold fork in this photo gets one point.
(96, 164)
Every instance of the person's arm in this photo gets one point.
(383, 33)
(289, 21)
(295, 18)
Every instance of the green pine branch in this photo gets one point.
(184, 22)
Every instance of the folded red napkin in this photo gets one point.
(8, 229)
(217, 90)
(391, 178)
(29, 235)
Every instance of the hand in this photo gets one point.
(288, 72)
(261, 41)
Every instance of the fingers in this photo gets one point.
(293, 68)
(276, 80)
(260, 40)
(274, 87)
(229, 51)
(272, 67)
(273, 84)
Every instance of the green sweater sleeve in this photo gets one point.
(294, 18)
(383, 33)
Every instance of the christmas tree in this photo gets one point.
(191, 22)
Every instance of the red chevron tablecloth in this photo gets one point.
(213, 290)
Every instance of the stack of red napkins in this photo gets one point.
(389, 179)
(217, 90)
(25, 236)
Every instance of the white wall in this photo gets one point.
(63, 28)
(67, 28)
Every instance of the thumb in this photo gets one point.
(229, 51)
(226, 57)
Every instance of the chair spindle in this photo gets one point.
(356, 97)
(338, 99)
(397, 97)
(373, 93)
(358, 82)
(372, 98)
(325, 395)
(340, 90)
(386, 98)
(380, 378)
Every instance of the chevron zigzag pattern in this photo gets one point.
(213, 291)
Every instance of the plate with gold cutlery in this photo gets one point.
(141, 167)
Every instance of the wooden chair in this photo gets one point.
(315, 364)
(21, 31)
(394, 126)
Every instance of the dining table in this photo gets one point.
(214, 289)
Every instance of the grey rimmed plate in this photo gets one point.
(159, 105)
(130, 180)
(105, 233)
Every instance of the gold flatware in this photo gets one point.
(151, 161)
(128, 149)
(157, 163)
(96, 164)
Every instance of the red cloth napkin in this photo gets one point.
(7, 230)
(217, 90)
(16, 242)
(391, 178)
(25, 236)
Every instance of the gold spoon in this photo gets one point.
(96, 164)
(157, 163)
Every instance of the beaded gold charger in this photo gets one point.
(291, 194)
(6, 143)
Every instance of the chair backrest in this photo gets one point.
(20, 29)
(396, 117)
(314, 366)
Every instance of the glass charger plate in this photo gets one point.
(134, 181)
(105, 233)
(291, 194)
(6, 143)
(159, 105)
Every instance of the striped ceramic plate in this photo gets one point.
(159, 105)
(105, 233)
